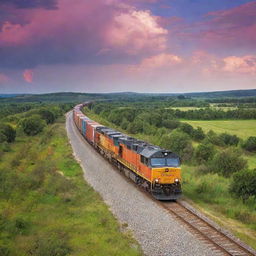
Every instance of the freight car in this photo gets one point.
(155, 169)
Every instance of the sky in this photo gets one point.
(131, 45)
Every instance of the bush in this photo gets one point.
(7, 133)
(227, 139)
(228, 162)
(47, 115)
(187, 128)
(250, 144)
(171, 124)
(179, 143)
(124, 124)
(204, 152)
(244, 184)
(198, 134)
(214, 138)
(135, 127)
(32, 125)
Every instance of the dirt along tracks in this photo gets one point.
(153, 227)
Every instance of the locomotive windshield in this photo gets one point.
(161, 162)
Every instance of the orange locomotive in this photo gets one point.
(156, 170)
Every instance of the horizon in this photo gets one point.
(156, 46)
(129, 92)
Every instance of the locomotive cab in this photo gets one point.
(165, 172)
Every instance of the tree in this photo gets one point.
(228, 162)
(250, 144)
(244, 184)
(179, 143)
(198, 134)
(47, 115)
(214, 138)
(33, 125)
(124, 124)
(8, 133)
(187, 128)
(135, 127)
(228, 139)
(204, 152)
(171, 124)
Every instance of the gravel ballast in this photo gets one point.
(153, 227)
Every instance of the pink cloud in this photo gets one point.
(135, 31)
(161, 61)
(28, 75)
(245, 64)
(81, 32)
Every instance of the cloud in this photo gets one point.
(163, 61)
(28, 75)
(245, 64)
(80, 33)
(135, 31)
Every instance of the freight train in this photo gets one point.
(154, 169)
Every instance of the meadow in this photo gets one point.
(46, 206)
(241, 128)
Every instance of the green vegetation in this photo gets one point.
(250, 144)
(211, 161)
(46, 207)
(241, 128)
(7, 133)
(32, 125)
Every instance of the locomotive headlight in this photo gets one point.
(176, 180)
(156, 180)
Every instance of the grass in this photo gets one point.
(197, 108)
(46, 207)
(210, 194)
(184, 108)
(241, 128)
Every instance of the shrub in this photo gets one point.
(171, 124)
(244, 184)
(179, 143)
(47, 115)
(7, 133)
(250, 144)
(33, 125)
(135, 127)
(228, 139)
(228, 161)
(124, 124)
(214, 138)
(198, 134)
(187, 128)
(204, 152)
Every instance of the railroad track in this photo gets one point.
(219, 242)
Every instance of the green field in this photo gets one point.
(183, 108)
(47, 208)
(241, 128)
(197, 108)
